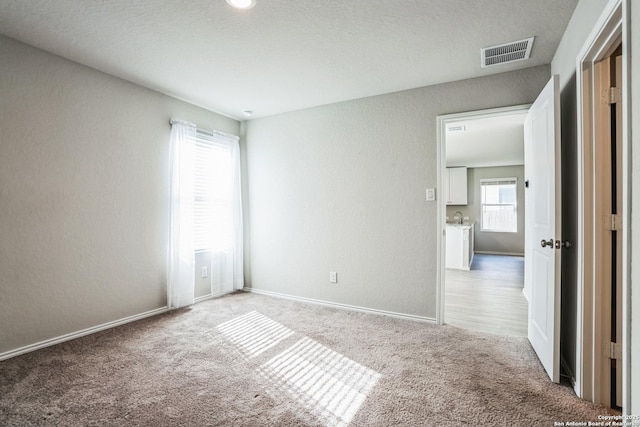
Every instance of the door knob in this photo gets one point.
(563, 244)
(547, 243)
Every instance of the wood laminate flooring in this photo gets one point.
(488, 297)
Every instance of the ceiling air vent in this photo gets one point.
(505, 53)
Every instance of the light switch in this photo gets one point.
(431, 194)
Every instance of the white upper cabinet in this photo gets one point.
(455, 186)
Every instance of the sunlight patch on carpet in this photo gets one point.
(254, 333)
(328, 384)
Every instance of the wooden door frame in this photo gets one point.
(611, 28)
(441, 128)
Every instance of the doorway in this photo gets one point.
(482, 249)
(608, 204)
(602, 353)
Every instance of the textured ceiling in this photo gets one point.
(285, 55)
(487, 141)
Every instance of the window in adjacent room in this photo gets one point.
(499, 205)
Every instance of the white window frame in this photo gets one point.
(499, 181)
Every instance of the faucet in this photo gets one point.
(454, 217)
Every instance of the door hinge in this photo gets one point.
(615, 222)
(613, 351)
(613, 95)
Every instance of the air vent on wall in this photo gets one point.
(505, 53)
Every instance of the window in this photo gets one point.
(499, 205)
(205, 211)
(213, 195)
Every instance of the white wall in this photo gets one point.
(582, 21)
(342, 188)
(84, 174)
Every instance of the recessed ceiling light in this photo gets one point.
(242, 4)
(247, 113)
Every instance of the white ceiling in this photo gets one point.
(490, 141)
(285, 55)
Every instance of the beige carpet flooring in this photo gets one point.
(251, 360)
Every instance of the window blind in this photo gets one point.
(212, 194)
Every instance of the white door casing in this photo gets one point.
(543, 239)
(442, 122)
(612, 28)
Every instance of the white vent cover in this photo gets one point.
(505, 53)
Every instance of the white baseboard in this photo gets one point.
(499, 253)
(210, 296)
(73, 335)
(203, 298)
(78, 334)
(343, 306)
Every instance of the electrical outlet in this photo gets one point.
(333, 277)
(205, 272)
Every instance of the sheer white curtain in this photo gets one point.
(181, 271)
(206, 212)
(227, 264)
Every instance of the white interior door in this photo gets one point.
(543, 239)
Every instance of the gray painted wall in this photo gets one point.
(503, 243)
(202, 284)
(84, 186)
(342, 188)
(569, 272)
